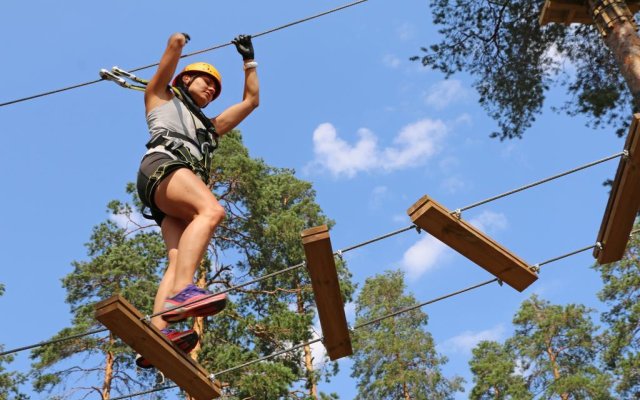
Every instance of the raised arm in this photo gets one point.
(232, 116)
(157, 93)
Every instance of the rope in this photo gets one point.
(362, 325)
(232, 288)
(62, 339)
(186, 55)
(591, 164)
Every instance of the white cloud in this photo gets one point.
(466, 341)
(490, 221)
(453, 184)
(378, 195)
(318, 351)
(422, 256)
(413, 146)
(406, 31)
(445, 93)
(391, 61)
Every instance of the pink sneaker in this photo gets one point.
(186, 341)
(193, 302)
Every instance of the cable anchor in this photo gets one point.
(535, 268)
(457, 213)
(418, 229)
(339, 255)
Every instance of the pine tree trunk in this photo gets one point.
(308, 357)
(556, 371)
(108, 372)
(623, 41)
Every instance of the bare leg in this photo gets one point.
(172, 229)
(193, 213)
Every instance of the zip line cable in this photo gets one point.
(339, 253)
(232, 288)
(360, 326)
(188, 54)
(624, 153)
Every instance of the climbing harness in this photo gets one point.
(170, 142)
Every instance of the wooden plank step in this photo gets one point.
(326, 288)
(471, 243)
(124, 321)
(573, 11)
(624, 201)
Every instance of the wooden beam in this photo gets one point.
(573, 11)
(624, 201)
(125, 321)
(326, 288)
(471, 243)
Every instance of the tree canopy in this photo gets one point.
(515, 62)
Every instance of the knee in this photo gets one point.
(214, 215)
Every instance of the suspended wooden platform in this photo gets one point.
(624, 201)
(326, 288)
(124, 321)
(573, 11)
(471, 243)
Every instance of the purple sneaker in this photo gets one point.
(186, 341)
(193, 301)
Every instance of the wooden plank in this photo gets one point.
(326, 288)
(124, 321)
(471, 243)
(624, 201)
(573, 11)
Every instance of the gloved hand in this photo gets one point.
(244, 46)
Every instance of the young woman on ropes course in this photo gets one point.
(174, 176)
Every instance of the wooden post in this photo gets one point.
(125, 321)
(471, 243)
(624, 201)
(326, 288)
(573, 11)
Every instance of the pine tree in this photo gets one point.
(557, 348)
(10, 381)
(514, 61)
(621, 293)
(267, 208)
(396, 358)
(495, 374)
(121, 261)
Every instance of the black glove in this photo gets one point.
(244, 46)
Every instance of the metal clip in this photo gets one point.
(212, 377)
(104, 74)
(625, 154)
(120, 72)
(339, 254)
(535, 268)
(160, 378)
(457, 213)
(599, 246)
(147, 319)
(418, 229)
(500, 282)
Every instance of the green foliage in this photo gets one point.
(514, 61)
(494, 370)
(621, 293)
(557, 349)
(122, 262)
(10, 381)
(396, 357)
(267, 208)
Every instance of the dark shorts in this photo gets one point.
(154, 168)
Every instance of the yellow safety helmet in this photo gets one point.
(204, 68)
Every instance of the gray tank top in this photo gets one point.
(174, 116)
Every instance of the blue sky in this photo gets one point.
(341, 104)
